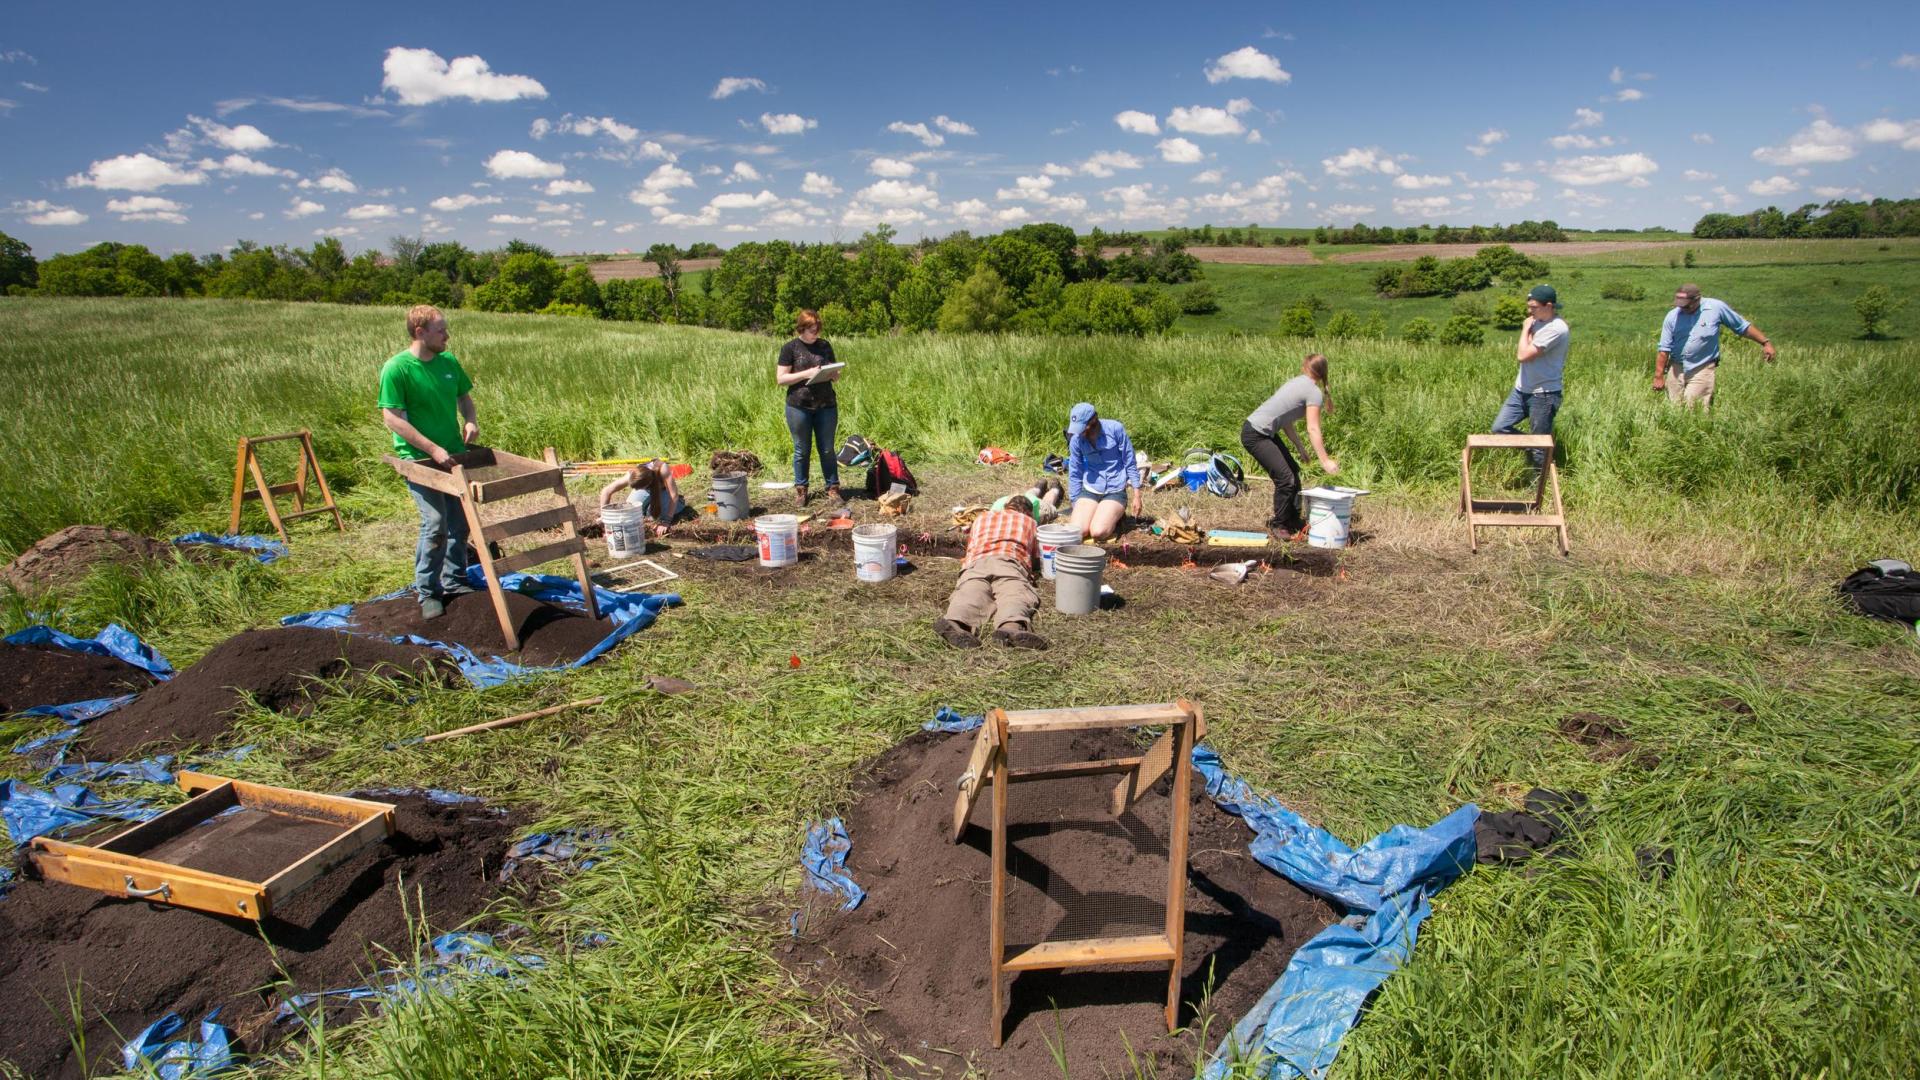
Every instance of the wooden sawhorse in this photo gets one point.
(1482, 513)
(249, 462)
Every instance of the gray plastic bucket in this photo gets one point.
(730, 496)
(1077, 570)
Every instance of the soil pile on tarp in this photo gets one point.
(32, 675)
(281, 669)
(67, 555)
(135, 962)
(549, 634)
(910, 964)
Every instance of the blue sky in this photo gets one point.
(592, 126)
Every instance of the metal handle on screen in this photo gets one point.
(968, 780)
(163, 890)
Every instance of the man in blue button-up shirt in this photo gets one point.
(1103, 476)
(1690, 341)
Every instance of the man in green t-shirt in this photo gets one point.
(425, 399)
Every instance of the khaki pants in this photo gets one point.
(994, 592)
(1690, 390)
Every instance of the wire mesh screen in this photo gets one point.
(1075, 870)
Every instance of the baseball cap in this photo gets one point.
(1077, 419)
(1544, 294)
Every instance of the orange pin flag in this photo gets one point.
(793, 661)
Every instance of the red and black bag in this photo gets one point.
(887, 471)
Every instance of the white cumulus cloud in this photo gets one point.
(740, 200)
(1247, 62)
(926, 135)
(1697, 175)
(1211, 176)
(510, 219)
(1207, 120)
(135, 172)
(1484, 142)
(821, 185)
(786, 123)
(334, 180)
(569, 187)
(1820, 142)
(1104, 163)
(898, 193)
(953, 127)
(1423, 205)
(242, 165)
(742, 172)
(1580, 142)
(1882, 130)
(1360, 159)
(734, 84)
(1590, 169)
(372, 212)
(42, 212)
(1629, 94)
(886, 166)
(1773, 185)
(585, 126)
(148, 208)
(1584, 118)
(520, 165)
(448, 204)
(1179, 151)
(421, 77)
(1137, 122)
(1414, 182)
(242, 137)
(303, 208)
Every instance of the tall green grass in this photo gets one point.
(127, 411)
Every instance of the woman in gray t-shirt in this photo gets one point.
(1303, 397)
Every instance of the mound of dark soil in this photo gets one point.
(67, 555)
(910, 964)
(549, 634)
(133, 961)
(280, 668)
(32, 675)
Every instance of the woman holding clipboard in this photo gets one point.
(808, 370)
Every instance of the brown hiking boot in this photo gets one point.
(954, 634)
(834, 496)
(800, 494)
(1020, 639)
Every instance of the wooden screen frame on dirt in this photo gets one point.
(524, 476)
(1186, 725)
(115, 866)
(1512, 513)
(246, 461)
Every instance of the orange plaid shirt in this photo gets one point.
(1002, 532)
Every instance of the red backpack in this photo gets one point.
(887, 471)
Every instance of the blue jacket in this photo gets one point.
(1107, 463)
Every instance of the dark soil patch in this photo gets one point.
(66, 556)
(280, 668)
(252, 845)
(34, 675)
(1602, 735)
(549, 634)
(910, 964)
(133, 961)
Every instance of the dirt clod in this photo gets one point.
(65, 557)
(131, 961)
(33, 675)
(549, 633)
(908, 968)
(1602, 735)
(280, 668)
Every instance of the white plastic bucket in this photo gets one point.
(626, 530)
(874, 547)
(1051, 538)
(1076, 591)
(779, 537)
(1329, 514)
(730, 496)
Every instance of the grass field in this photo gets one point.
(1779, 733)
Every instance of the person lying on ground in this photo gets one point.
(1693, 325)
(813, 409)
(996, 582)
(1103, 476)
(426, 401)
(653, 489)
(1045, 496)
(1302, 397)
(1542, 355)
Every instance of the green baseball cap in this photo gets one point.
(1544, 294)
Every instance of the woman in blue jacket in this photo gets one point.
(1103, 476)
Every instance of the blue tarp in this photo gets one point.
(579, 847)
(629, 612)
(949, 720)
(1385, 884)
(264, 548)
(30, 812)
(153, 770)
(116, 642)
(825, 860)
(455, 955)
(163, 1048)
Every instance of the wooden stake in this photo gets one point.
(509, 721)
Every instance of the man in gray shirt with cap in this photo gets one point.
(1542, 353)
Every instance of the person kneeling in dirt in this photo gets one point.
(426, 401)
(1103, 475)
(653, 490)
(996, 581)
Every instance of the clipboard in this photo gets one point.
(814, 376)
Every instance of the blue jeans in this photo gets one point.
(643, 499)
(1537, 410)
(440, 558)
(817, 426)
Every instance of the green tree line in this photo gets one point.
(1839, 218)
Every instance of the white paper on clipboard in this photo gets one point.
(819, 374)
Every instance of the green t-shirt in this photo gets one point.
(428, 391)
(1001, 504)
